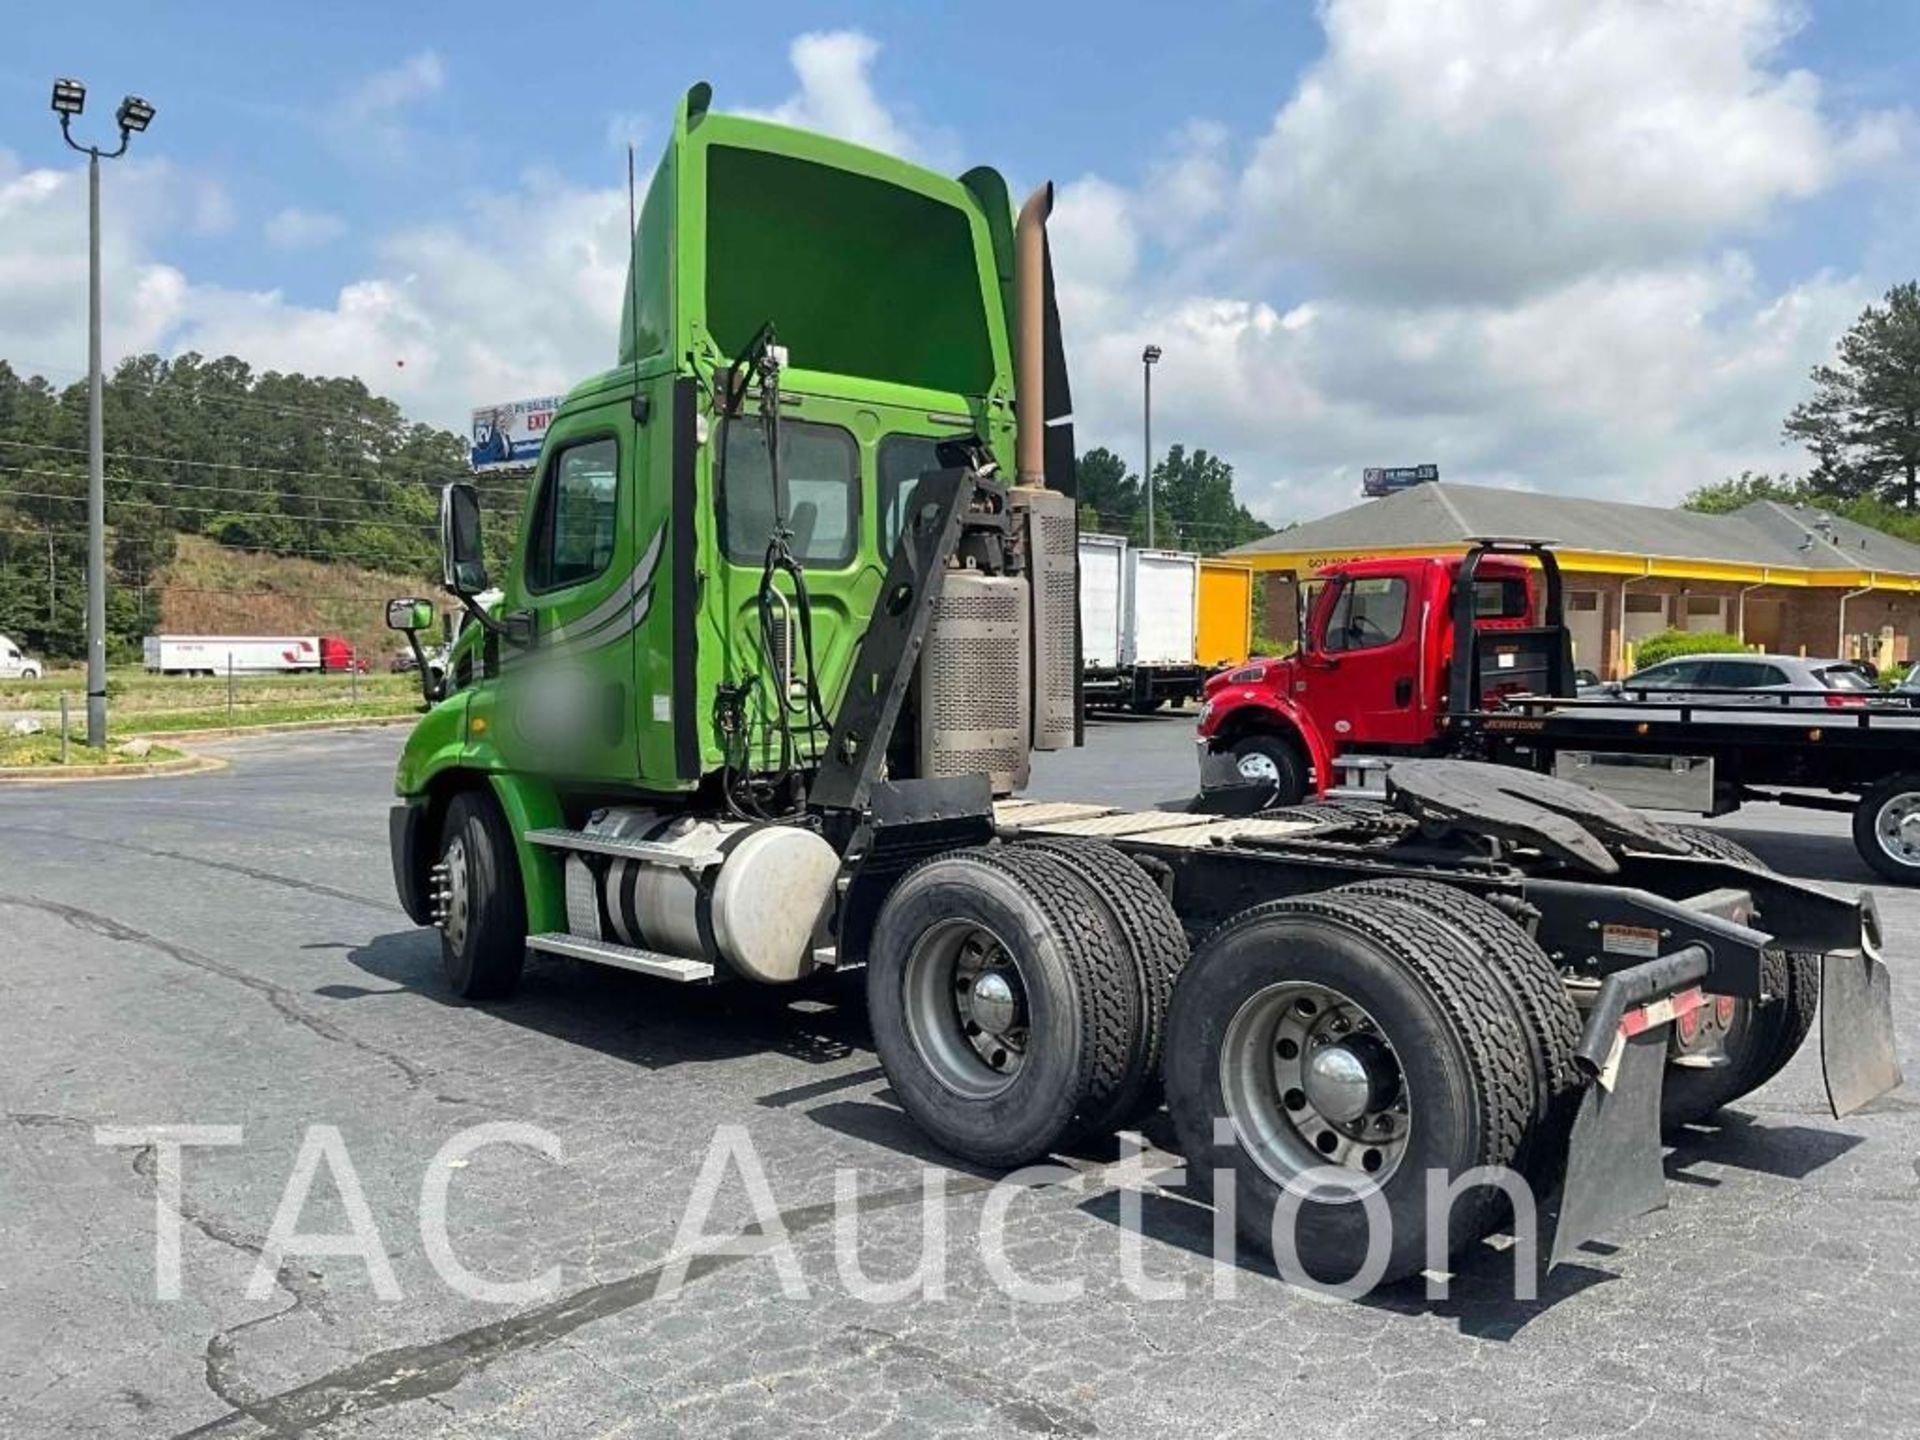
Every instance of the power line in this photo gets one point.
(211, 509)
(235, 488)
(176, 388)
(334, 556)
(503, 486)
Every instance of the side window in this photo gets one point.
(1366, 613)
(575, 515)
(1742, 675)
(903, 460)
(820, 472)
(1677, 676)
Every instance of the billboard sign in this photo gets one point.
(508, 436)
(1391, 479)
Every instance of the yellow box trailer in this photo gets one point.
(1224, 635)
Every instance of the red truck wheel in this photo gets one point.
(1263, 759)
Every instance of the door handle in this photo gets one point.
(1403, 691)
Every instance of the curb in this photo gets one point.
(285, 727)
(75, 774)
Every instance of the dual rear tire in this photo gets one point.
(1017, 995)
(1327, 1055)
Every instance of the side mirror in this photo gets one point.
(410, 616)
(463, 565)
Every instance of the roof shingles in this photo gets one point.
(1764, 533)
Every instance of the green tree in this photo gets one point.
(1737, 491)
(1862, 423)
(1194, 504)
(1109, 494)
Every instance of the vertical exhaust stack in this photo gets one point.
(1030, 348)
(1049, 517)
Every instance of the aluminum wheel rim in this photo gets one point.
(1258, 767)
(459, 902)
(1897, 829)
(966, 1008)
(1275, 1051)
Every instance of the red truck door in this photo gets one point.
(1361, 663)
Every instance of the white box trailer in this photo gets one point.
(244, 654)
(1102, 600)
(1163, 606)
(1138, 624)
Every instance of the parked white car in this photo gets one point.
(16, 664)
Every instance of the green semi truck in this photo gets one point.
(792, 604)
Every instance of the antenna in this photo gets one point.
(639, 401)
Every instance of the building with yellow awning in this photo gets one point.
(1788, 579)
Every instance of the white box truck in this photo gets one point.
(1138, 624)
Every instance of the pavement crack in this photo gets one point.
(284, 1001)
(421, 1372)
(231, 867)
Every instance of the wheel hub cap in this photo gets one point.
(1258, 767)
(991, 1002)
(1347, 1082)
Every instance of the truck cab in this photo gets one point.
(1375, 668)
(15, 663)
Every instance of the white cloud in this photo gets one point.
(836, 94)
(43, 260)
(1512, 236)
(372, 116)
(297, 229)
(1467, 147)
(1526, 305)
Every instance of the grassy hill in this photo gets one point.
(210, 589)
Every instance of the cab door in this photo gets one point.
(1362, 662)
(584, 581)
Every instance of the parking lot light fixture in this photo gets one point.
(133, 116)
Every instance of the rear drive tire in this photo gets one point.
(1143, 926)
(1759, 1037)
(1541, 1007)
(1435, 1064)
(1001, 1075)
(1265, 758)
(1886, 828)
(483, 940)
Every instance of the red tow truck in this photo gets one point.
(1380, 673)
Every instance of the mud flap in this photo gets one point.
(1614, 1160)
(1856, 1029)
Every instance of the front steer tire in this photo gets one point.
(483, 937)
(1464, 1069)
(1265, 758)
(1000, 1095)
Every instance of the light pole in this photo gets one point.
(1149, 358)
(134, 115)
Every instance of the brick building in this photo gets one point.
(1788, 579)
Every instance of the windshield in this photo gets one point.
(1844, 677)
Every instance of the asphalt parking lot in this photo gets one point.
(225, 952)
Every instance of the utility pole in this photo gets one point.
(1149, 357)
(53, 587)
(134, 115)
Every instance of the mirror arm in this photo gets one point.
(431, 690)
(516, 629)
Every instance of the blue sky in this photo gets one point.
(1563, 245)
